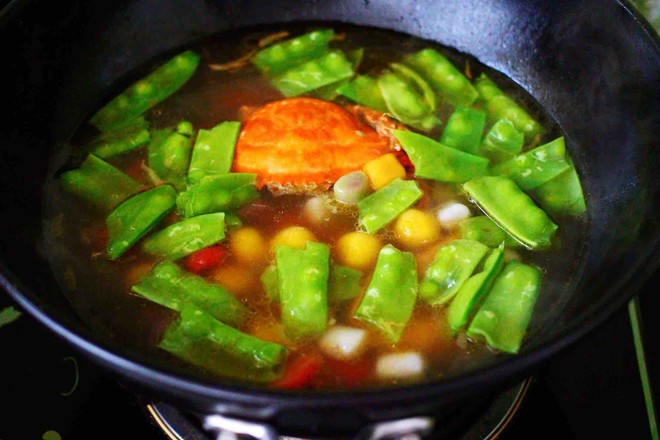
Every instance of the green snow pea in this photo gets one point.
(329, 68)
(535, 167)
(343, 283)
(486, 231)
(303, 287)
(443, 76)
(433, 160)
(502, 141)
(451, 267)
(405, 103)
(213, 152)
(99, 183)
(170, 286)
(474, 288)
(187, 236)
(463, 130)
(331, 91)
(292, 52)
(122, 140)
(513, 210)
(146, 93)
(364, 90)
(380, 208)
(390, 297)
(499, 106)
(218, 192)
(417, 82)
(136, 216)
(169, 154)
(503, 317)
(562, 195)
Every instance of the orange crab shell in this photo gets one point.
(304, 142)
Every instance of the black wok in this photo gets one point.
(593, 65)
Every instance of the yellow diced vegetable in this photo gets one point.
(293, 236)
(237, 278)
(384, 170)
(247, 245)
(415, 228)
(358, 250)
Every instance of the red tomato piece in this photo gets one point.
(205, 259)
(300, 371)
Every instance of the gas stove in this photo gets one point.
(50, 392)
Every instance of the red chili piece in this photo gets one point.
(205, 259)
(300, 371)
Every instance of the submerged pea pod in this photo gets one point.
(170, 286)
(503, 317)
(99, 183)
(294, 51)
(535, 167)
(451, 267)
(562, 195)
(364, 90)
(169, 154)
(331, 91)
(433, 160)
(463, 130)
(502, 141)
(217, 193)
(213, 152)
(486, 231)
(405, 103)
(443, 76)
(390, 297)
(382, 207)
(132, 219)
(122, 140)
(513, 210)
(187, 236)
(303, 288)
(146, 93)
(329, 68)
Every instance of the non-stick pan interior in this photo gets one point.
(591, 66)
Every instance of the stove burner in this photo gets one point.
(178, 425)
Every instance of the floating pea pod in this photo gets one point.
(343, 283)
(451, 267)
(303, 288)
(500, 106)
(535, 167)
(329, 68)
(390, 297)
(217, 193)
(405, 103)
(486, 231)
(331, 91)
(463, 130)
(503, 317)
(382, 207)
(292, 52)
(120, 141)
(433, 160)
(513, 210)
(364, 90)
(474, 288)
(443, 76)
(169, 154)
(136, 216)
(502, 141)
(562, 195)
(146, 93)
(418, 82)
(213, 152)
(172, 287)
(187, 236)
(99, 183)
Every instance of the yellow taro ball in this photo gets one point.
(247, 245)
(358, 250)
(383, 170)
(415, 228)
(293, 236)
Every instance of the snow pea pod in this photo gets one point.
(132, 219)
(463, 130)
(562, 195)
(451, 267)
(170, 286)
(380, 208)
(498, 106)
(99, 183)
(364, 90)
(433, 160)
(331, 91)
(486, 231)
(513, 210)
(122, 140)
(503, 317)
(535, 167)
(405, 103)
(286, 54)
(169, 154)
(443, 76)
(217, 193)
(187, 236)
(329, 68)
(390, 297)
(343, 283)
(474, 288)
(303, 288)
(417, 82)
(213, 152)
(146, 93)
(502, 141)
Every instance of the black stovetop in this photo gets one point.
(49, 391)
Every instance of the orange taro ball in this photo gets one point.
(304, 141)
